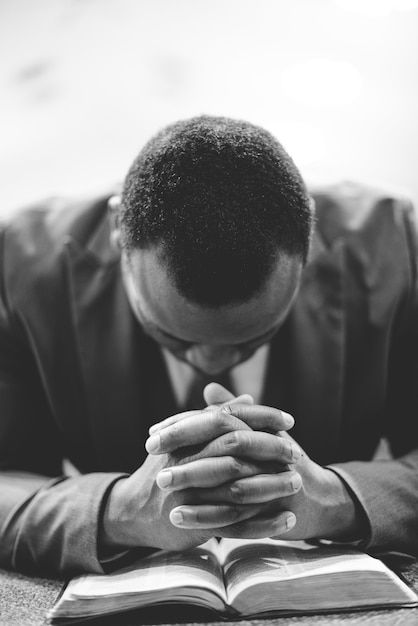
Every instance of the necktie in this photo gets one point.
(195, 398)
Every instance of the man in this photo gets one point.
(206, 267)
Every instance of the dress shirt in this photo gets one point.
(247, 377)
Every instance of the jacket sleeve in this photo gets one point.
(48, 523)
(388, 489)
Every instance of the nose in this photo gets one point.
(212, 359)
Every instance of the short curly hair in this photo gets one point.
(224, 199)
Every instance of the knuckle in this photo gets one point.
(237, 492)
(227, 407)
(235, 410)
(235, 466)
(220, 421)
(238, 440)
(232, 440)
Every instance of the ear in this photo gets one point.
(113, 205)
(312, 205)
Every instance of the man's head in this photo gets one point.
(214, 226)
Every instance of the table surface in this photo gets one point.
(24, 601)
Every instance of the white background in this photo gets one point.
(83, 84)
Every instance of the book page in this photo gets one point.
(263, 576)
(249, 563)
(197, 567)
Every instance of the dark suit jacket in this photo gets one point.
(79, 379)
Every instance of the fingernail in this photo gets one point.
(153, 428)
(290, 521)
(288, 420)
(153, 444)
(295, 453)
(164, 479)
(176, 517)
(296, 482)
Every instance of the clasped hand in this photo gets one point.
(230, 470)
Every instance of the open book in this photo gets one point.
(241, 578)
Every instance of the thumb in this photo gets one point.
(215, 394)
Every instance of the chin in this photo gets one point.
(213, 370)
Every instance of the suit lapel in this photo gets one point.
(310, 354)
(104, 328)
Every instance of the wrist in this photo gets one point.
(116, 526)
(341, 518)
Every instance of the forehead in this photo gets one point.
(157, 298)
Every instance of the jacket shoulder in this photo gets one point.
(43, 229)
(33, 244)
(377, 233)
(354, 208)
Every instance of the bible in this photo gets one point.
(247, 578)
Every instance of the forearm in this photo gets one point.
(388, 493)
(51, 525)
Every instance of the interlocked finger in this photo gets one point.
(256, 489)
(244, 398)
(210, 516)
(192, 430)
(248, 444)
(260, 417)
(208, 472)
(259, 528)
